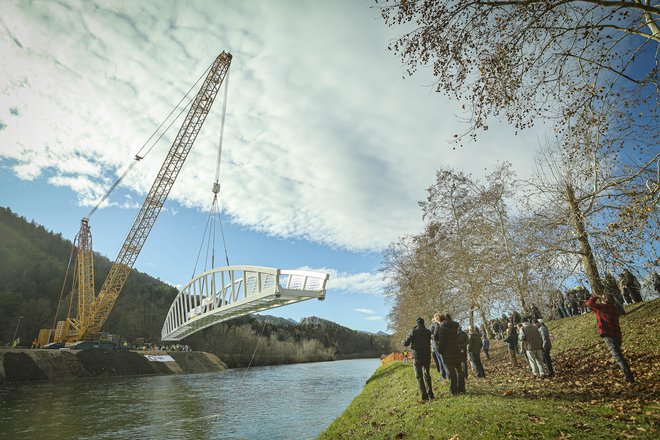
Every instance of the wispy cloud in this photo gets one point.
(363, 282)
(367, 311)
(374, 318)
(324, 141)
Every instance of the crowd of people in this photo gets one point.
(450, 347)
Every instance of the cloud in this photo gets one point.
(367, 311)
(324, 140)
(362, 282)
(374, 318)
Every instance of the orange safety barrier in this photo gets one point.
(391, 357)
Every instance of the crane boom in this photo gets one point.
(105, 300)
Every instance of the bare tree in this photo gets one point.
(530, 59)
(577, 203)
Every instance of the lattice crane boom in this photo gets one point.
(102, 304)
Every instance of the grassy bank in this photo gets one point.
(588, 397)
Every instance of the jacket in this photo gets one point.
(545, 337)
(434, 330)
(474, 343)
(607, 318)
(419, 340)
(512, 339)
(447, 340)
(463, 341)
(530, 337)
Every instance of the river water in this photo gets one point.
(279, 402)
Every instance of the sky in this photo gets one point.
(328, 145)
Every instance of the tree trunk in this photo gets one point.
(588, 260)
(486, 322)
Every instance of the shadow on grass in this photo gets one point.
(388, 370)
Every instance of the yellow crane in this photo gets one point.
(93, 310)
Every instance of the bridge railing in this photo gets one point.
(222, 288)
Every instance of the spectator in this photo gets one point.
(533, 346)
(486, 345)
(655, 280)
(512, 344)
(449, 349)
(474, 350)
(612, 288)
(437, 357)
(630, 287)
(546, 346)
(419, 340)
(607, 320)
(463, 341)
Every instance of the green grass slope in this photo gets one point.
(587, 399)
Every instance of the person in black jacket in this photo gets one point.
(474, 351)
(463, 340)
(446, 337)
(512, 344)
(419, 339)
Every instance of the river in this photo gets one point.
(279, 402)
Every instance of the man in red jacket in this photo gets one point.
(607, 317)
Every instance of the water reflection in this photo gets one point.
(280, 402)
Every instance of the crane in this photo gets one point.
(93, 310)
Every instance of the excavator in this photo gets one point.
(93, 309)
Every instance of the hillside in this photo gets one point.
(32, 271)
(588, 397)
(33, 265)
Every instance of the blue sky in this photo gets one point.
(328, 148)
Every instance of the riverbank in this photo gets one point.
(23, 365)
(588, 398)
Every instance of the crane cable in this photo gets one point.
(137, 157)
(214, 211)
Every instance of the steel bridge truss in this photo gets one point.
(224, 293)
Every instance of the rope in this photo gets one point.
(224, 243)
(263, 326)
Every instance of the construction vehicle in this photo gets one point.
(93, 309)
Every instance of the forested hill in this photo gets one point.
(32, 266)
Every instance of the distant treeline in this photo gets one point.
(33, 262)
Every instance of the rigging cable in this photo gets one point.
(214, 211)
(137, 157)
(66, 275)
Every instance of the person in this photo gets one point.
(546, 346)
(512, 344)
(16, 342)
(655, 280)
(474, 349)
(437, 357)
(627, 285)
(612, 288)
(607, 321)
(486, 345)
(463, 341)
(532, 344)
(34, 344)
(447, 340)
(405, 356)
(419, 340)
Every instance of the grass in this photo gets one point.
(587, 399)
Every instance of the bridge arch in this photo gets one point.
(227, 292)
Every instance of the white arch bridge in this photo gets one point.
(224, 293)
